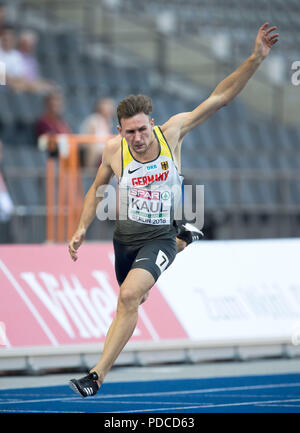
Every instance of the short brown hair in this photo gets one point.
(132, 105)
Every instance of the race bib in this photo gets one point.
(149, 207)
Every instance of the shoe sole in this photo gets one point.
(74, 388)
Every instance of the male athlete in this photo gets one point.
(146, 160)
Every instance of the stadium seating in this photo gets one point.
(233, 141)
(237, 17)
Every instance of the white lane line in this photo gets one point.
(37, 411)
(90, 401)
(208, 406)
(46, 400)
(159, 394)
(280, 405)
(203, 391)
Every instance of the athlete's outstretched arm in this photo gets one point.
(90, 204)
(230, 87)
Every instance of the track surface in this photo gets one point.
(264, 393)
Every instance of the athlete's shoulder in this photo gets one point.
(174, 122)
(113, 143)
(111, 149)
(172, 129)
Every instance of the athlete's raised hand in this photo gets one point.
(75, 243)
(265, 40)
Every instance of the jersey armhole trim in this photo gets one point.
(166, 142)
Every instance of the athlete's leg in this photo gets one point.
(132, 292)
(137, 269)
(181, 244)
(111, 332)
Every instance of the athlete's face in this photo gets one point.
(138, 131)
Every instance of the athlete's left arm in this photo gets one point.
(226, 90)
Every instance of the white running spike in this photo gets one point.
(192, 228)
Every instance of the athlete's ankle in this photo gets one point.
(100, 375)
(181, 244)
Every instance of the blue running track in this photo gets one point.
(271, 393)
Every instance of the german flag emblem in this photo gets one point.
(164, 165)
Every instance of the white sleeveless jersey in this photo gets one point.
(149, 194)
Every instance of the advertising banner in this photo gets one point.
(213, 291)
(236, 290)
(47, 299)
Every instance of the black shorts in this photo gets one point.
(154, 255)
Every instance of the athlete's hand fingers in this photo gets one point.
(73, 247)
(75, 243)
(264, 26)
(73, 251)
(271, 29)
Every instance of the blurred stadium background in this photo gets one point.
(247, 156)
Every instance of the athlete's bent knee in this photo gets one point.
(128, 298)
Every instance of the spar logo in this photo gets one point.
(144, 193)
(165, 195)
